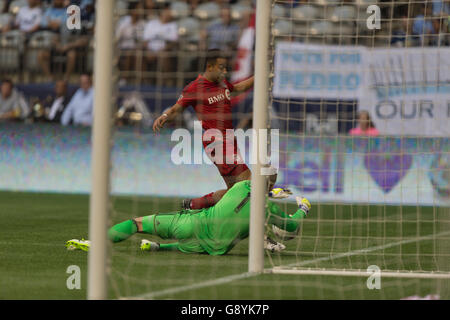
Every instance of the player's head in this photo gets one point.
(60, 88)
(58, 3)
(85, 81)
(272, 174)
(33, 3)
(216, 65)
(271, 181)
(6, 88)
(364, 120)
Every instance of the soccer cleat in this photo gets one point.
(303, 204)
(280, 193)
(186, 204)
(273, 245)
(149, 245)
(76, 244)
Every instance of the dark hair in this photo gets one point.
(133, 5)
(162, 6)
(8, 81)
(212, 55)
(87, 74)
(371, 124)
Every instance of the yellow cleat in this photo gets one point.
(76, 244)
(149, 245)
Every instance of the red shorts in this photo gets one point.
(229, 162)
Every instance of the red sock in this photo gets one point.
(204, 202)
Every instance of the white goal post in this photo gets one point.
(260, 117)
(101, 151)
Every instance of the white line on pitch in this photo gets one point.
(195, 286)
(300, 264)
(366, 250)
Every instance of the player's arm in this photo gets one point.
(168, 115)
(288, 222)
(243, 86)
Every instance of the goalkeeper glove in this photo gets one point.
(303, 204)
(280, 193)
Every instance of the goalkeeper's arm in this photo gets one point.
(287, 222)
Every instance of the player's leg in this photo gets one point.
(212, 198)
(154, 224)
(231, 167)
(180, 227)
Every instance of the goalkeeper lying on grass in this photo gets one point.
(215, 230)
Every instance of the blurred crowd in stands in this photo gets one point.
(163, 43)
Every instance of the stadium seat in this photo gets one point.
(90, 56)
(327, 2)
(5, 19)
(207, 11)
(322, 28)
(179, 9)
(188, 32)
(11, 47)
(15, 5)
(342, 13)
(279, 11)
(2, 5)
(188, 28)
(122, 7)
(365, 3)
(38, 41)
(282, 28)
(305, 12)
(238, 10)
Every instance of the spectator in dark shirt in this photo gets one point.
(54, 108)
(223, 35)
(423, 27)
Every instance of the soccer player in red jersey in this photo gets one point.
(210, 96)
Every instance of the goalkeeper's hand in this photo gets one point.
(280, 193)
(303, 204)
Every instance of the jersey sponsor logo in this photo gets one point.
(220, 97)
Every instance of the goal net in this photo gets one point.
(359, 93)
(360, 98)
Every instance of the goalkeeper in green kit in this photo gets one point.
(215, 230)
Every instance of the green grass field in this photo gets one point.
(35, 227)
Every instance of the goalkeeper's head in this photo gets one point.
(272, 174)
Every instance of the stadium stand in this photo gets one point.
(316, 21)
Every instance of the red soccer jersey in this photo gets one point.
(211, 101)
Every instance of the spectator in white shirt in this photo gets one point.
(28, 19)
(80, 109)
(128, 34)
(13, 105)
(160, 36)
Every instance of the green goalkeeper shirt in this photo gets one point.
(219, 228)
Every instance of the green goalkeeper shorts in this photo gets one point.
(177, 226)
